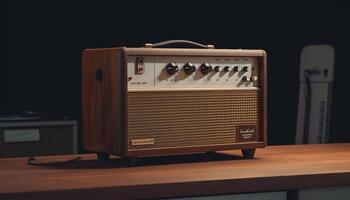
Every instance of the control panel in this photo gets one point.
(192, 72)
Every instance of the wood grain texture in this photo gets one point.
(274, 168)
(101, 100)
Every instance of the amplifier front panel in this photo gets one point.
(225, 72)
(168, 119)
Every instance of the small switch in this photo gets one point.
(171, 68)
(189, 68)
(254, 78)
(226, 68)
(245, 69)
(236, 68)
(206, 68)
(139, 66)
(217, 68)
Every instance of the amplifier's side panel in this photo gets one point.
(264, 86)
(101, 90)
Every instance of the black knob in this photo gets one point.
(235, 68)
(217, 68)
(245, 69)
(244, 78)
(172, 68)
(189, 68)
(226, 68)
(206, 68)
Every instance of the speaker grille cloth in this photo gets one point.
(190, 118)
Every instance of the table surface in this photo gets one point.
(274, 168)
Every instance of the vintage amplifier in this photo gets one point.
(156, 101)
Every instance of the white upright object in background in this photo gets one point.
(315, 94)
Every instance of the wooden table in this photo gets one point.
(274, 168)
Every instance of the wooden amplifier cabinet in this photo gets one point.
(38, 138)
(158, 101)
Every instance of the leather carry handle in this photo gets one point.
(164, 43)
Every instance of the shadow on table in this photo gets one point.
(116, 162)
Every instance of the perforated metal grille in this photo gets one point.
(190, 118)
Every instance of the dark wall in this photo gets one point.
(42, 43)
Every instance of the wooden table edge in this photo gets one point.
(196, 188)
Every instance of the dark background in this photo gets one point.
(42, 41)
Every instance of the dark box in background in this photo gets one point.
(38, 138)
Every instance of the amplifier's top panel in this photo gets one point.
(177, 72)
